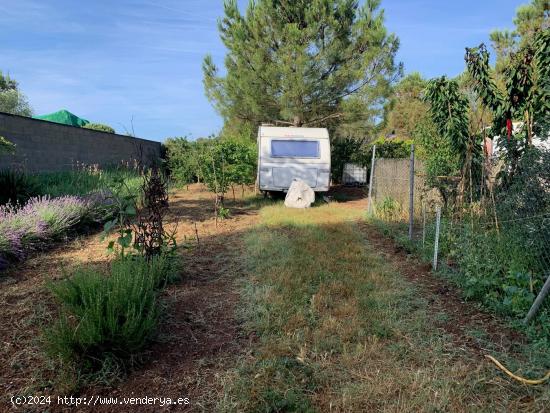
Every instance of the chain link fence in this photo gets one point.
(496, 246)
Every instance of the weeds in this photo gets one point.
(16, 187)
(84, 180)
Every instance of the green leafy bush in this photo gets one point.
(17, 187)
(99, 127)
(393, 148)
(182, 158)
(220, 163)
(226, 163)
(347, 150)
(106, 319)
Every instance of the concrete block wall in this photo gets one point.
(46, 146)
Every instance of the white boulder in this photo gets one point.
(299, 195)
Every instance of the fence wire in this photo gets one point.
(497, 247)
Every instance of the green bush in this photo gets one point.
(17, 187)
(389, 209)
(228, 162)
(105, 320)
(393, 148)
(220, 163)
(99, 127)
(182, 160)
(347, 150)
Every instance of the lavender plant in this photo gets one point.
(41, 219)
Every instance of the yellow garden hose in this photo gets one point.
(518, 378)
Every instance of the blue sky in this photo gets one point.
(114, 61)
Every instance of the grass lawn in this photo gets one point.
(338, 328)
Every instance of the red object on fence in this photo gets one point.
(509, 128)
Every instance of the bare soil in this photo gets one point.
(200, 337)
(199, 334)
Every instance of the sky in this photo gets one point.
(136, 65)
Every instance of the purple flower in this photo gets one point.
(41, 219)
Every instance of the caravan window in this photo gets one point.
(295, 149)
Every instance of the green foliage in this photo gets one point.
(17, 187)
(6, 146)
(389, 209)
(393, 148)
(105, 320)
(220, 163)
(99, 127)
(441, 161)
(407, 107)
(503, 269)
(344, 150)
(11, 99)
(326, 63)
(124, 205)
(86, 180)
(525, 96)
(530, 19)
(349, 150)
(223, 213)
(228, 162)
(449, 114)
(542, 92)
(182, 158)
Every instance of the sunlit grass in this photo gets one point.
(339, 330)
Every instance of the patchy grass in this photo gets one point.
(338, 329)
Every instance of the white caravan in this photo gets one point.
(288, 153)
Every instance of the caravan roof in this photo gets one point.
(293, 132)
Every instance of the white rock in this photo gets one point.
(299, 195)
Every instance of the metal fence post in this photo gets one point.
(411, 194)
(423, 223)
(538, 301)
(436, 241)
(371, 179)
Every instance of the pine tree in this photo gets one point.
(304, 63)
(530, 19)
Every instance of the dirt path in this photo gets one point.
(200, 342)
(199, 334)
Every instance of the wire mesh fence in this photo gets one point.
(496, 245)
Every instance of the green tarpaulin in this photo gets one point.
(65, 117)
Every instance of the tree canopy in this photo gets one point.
(407, 107)
(304, 63)
(11, 99)
(530, 19)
